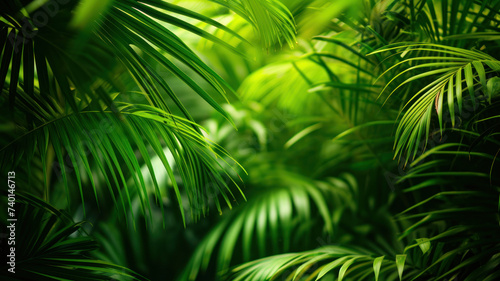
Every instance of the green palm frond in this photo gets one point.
(127, 31)
(112, 139)
(46, 250)
(62, 72)
(447, 21)
(57, 86)
(272, 20)
(447, 72)
(320, 264)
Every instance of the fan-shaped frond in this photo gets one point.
(276, 217)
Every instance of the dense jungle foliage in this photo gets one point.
(251, 139)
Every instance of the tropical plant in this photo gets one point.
(70, 107)
(366, 146)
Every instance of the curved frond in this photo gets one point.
(271, 19)
(450, 71)
(112, 139)
(320, 264)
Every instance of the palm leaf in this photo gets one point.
(271, 19)
(318, 264)
(112, 138)
(446, 69)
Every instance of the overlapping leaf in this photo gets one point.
(45, 249)
(319, 264)
(453, 71)
(112, 139)
(272, 220)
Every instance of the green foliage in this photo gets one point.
(283, 204)
(366, 147)
(58, 76)
(45, 249)
(447, 66)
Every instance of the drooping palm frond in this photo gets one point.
(112, 138)
(118, 38)
(450, 71)
(45, 250)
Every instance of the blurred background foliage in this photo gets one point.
(252, 139)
